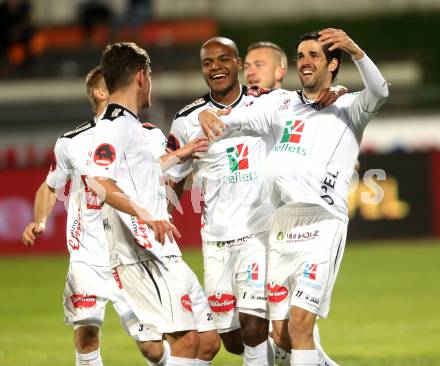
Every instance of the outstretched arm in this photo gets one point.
(199, 144)
(45, 200)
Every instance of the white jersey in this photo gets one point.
(85, 233)
(314, 156)
(125, 152)
(229, 175)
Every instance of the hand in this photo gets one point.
(163, 229)
(31, 232)
(210, 123)
(339, 39)
(328, 96)
(199, 144)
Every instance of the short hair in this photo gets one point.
(278, 50)
(120, 62)
(224, 41)
(329, 55)
(92, 82)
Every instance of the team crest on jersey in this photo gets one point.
(186, 302)
(104, 155)
(220, 302)
(238, 157)
(173, 143)
(293, 131)
(276, 293)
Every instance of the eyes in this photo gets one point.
(313, 55)
(223, 60)
(257, 64)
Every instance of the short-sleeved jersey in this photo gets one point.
(229, 175)
(128, 153)
(85, 235)
(313, 159)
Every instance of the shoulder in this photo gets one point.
(188, 109)
(346, 99)
(78, 130)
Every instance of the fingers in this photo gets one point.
(223, 112)
(31, 232)
(163, 229)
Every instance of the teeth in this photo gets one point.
(218, 76)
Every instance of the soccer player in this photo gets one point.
(90, 284)
(159, 287)
(308, 175)
(265, 65)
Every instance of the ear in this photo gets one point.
(280, 72)
(140, 78)
(333, 64)
(100, 94)
(240, 63)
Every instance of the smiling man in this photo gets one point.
(230, 178)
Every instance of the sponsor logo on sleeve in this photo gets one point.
(310, 271)
(186, 302)
(104, 155)
(220, 302)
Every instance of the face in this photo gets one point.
(311, 64)
(146, 88)
(220, 67)
(261, 67)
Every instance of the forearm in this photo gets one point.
(111, 194)
(376, 86)
(45, 200)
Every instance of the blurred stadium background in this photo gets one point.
(385, 306)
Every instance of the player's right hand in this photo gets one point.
(163, 229)
(211, 125)
(31, 232)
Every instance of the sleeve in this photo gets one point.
(177, 138)
(368, 102)
(60, 168)
(109, 146)
(158, 142)
(257, 116)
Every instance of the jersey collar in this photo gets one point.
(308, 102)
(112, 106)
(243, 92)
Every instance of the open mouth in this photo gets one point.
(253, 82)
(307, 72)
(218, 77)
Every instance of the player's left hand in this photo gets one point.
(211, 125)
(31, 232)
(339, 39)
(329, 95)
(199, 144)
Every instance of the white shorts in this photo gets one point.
(88, 289)
(165, 296)
(306, 249)
(235, 277)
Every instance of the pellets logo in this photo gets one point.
(83, 300)
(186, 302)
(238, 157)
(276, 293)
(104, 155)
(221, 303)
(310, 270)
(293, 131)
(252, 272)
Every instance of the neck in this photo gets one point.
(125, 98)
(228, 97)
(312, 93)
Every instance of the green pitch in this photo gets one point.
(385, 311)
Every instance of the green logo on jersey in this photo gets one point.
(293, 131)
(238, 157)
